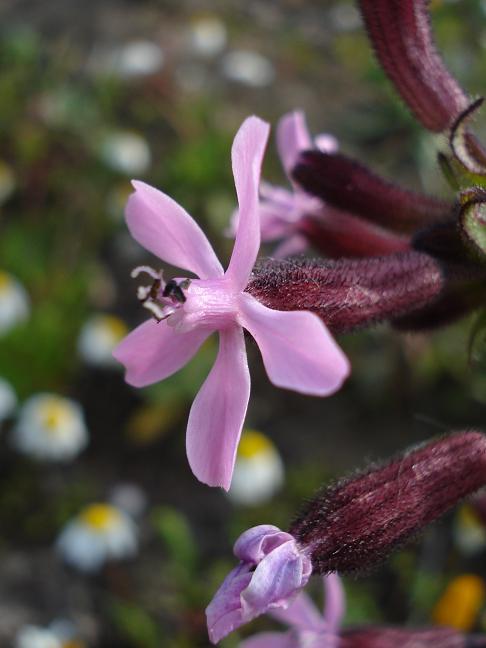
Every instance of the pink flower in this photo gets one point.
(272, 570)
(282, 210)
(298, 351)
(308, 627)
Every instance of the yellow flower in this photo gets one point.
(459, 605)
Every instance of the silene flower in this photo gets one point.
(50, 428)
(100, 532)
(297, 349)
(282, 210)
(273, 569)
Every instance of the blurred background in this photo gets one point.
(106, 538)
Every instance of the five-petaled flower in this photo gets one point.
(298, 351)
(273, 569)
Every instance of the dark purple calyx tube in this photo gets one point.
(401, 35)
(355, 524)
(349, 293)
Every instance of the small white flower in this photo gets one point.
(14, 302)
(249, 68)
(101, 532)
(98, 337)
(31, 636)
(50, 427)
(60, 634)
(207, 36)
(126, 152)
(135, 59)
(259, 471)
(8, 400)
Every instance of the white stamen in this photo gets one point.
(148, 270)
(158, 312)
(143, 292)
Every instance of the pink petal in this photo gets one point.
(298, 351)
(269, 640)
(292, 138)
(301, 613)
(164, 228)
(218, 412)
(254, 544)
(247, 157)
(153, 351)
(276, 579)
(224, 611)
(334, 603)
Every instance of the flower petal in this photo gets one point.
(335, 602)
(276, 579)
(301, 613)
(298, 351)
(218, 412)
(164, 228)
(223, 614)
(154, 350)
(292, 138)
(254, 544)
(247, 156)
(269, 640)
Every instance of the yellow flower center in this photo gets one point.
(73, 643)
(99, 516)
(53, 414)
(460, 604)
(116, 327)
(253, 443)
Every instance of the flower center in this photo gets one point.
(99, 516)
(188, 303)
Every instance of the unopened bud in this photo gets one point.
(356, 523)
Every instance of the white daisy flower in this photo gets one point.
(98, 337)
(14, 302)
(50, 428)
(259, 470)
(248, 68)
(207, 36)
(126, 152)
(60, 634)
(8, 400)
(31, 636)
(101, 532)
(135, 59)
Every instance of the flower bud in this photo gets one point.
(349, 293)
(356, 523)
(402, 39)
